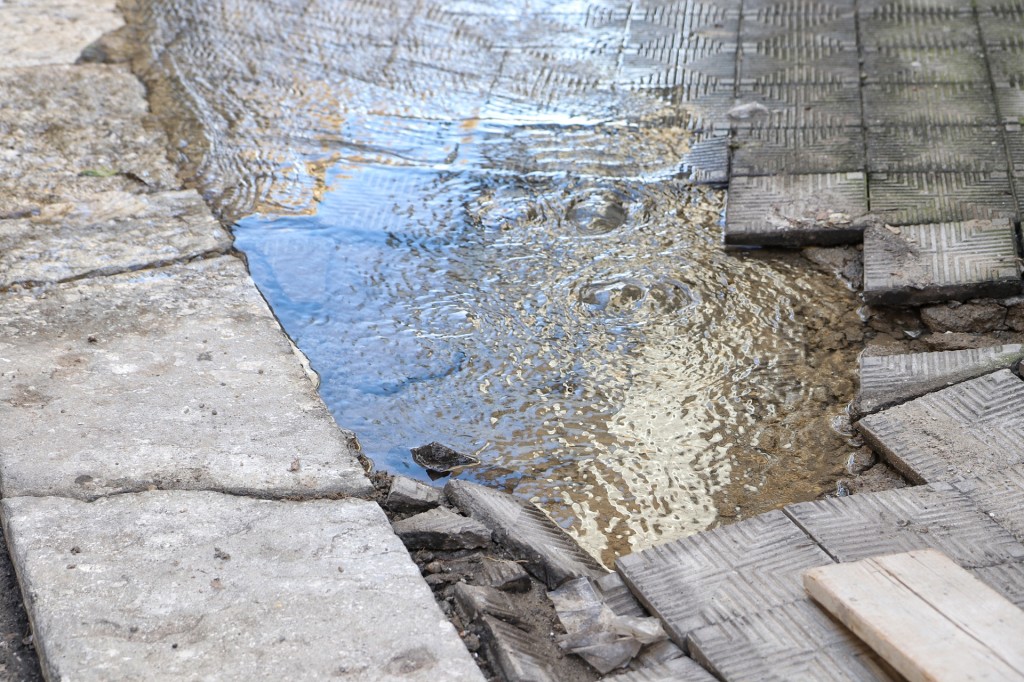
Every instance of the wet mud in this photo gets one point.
(471, 218)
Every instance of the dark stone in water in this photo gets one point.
(441, 458)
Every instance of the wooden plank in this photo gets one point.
(926, 616)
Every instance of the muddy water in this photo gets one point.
(470, 218)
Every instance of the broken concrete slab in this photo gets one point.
(894, 521)
(408, 495)
(38, 32)
(171, 378)
(616, 595)
(796, 210)
(1000, 494)
(888, 380)
(796, 641)
(68, 132)
(168, 585)
(107, 233)
(722, 574)
(521, 656)
(682, 669)
(972, 317)
(969, 429)
(475, 602)
(508, 576)
(914, 264)
(442, 528)
(551, 555)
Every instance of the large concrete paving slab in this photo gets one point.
(774, 151)
(925, 65)
(796, 641)
(69, 132)
(914, 264)
(169, 378)
(37, 32)
(726, 573)
(925, 517)
(175, 585)
(943, 148)
(887, 380)
(931, 104)
(796, 210)
(969, 429)
(107, 233)
(796, 105)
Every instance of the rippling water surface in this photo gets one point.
(471, 219)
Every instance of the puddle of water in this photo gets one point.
(469, 219)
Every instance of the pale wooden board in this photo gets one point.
(929, 618)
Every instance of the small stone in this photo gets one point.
(969, 317)
(442, 529)
(407, 495)
(472, 642)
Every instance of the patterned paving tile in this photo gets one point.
(707, 162)
(1002, 28)
(790, 210)
(798, 105)
(770, 151)
(914, 198)
(797, 641)
(728, 572)
(928, 104)
(919, 30)
(897, 148)
(925, 517)
(915, 264)
(887, 380)
(914, 65)
(1000, 494)
(970, 429)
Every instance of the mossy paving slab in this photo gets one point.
(887, 380)
(172, 585)
(796, 210)
(915, 264)
(170, 378)
(730, 572)
(796, 641)
(970, 429)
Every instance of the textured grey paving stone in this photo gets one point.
(682, 669)
(67, 133)
(797, 641)
(887, 380)
(1006, 579)
(175, 585)
(915, 198)
(1001, 29)
(37, 32)
(935, 148)
(901, 8)
(521, 656)
(898, 104)
(106, 233)
(894, 521)
(707, 162)
(799, 105)
(1000, 494)
(924, 65)
(969, 429)
(780, 25)
(617, 595)
(796, 210)
(1010, 100)
(174, 378)
(782, 61)
(722, 574)
(771, 151)
(920, 30)
(551, 555)
(924, 263)
(1007, 64)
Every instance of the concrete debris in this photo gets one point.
(603, 639)
(474, 602)
(409, 496)
(518, 655)
(509, 576)
(550, 553)
(442, 528)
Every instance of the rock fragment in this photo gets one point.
(442, 528)
(509, 576)
(409, 496)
